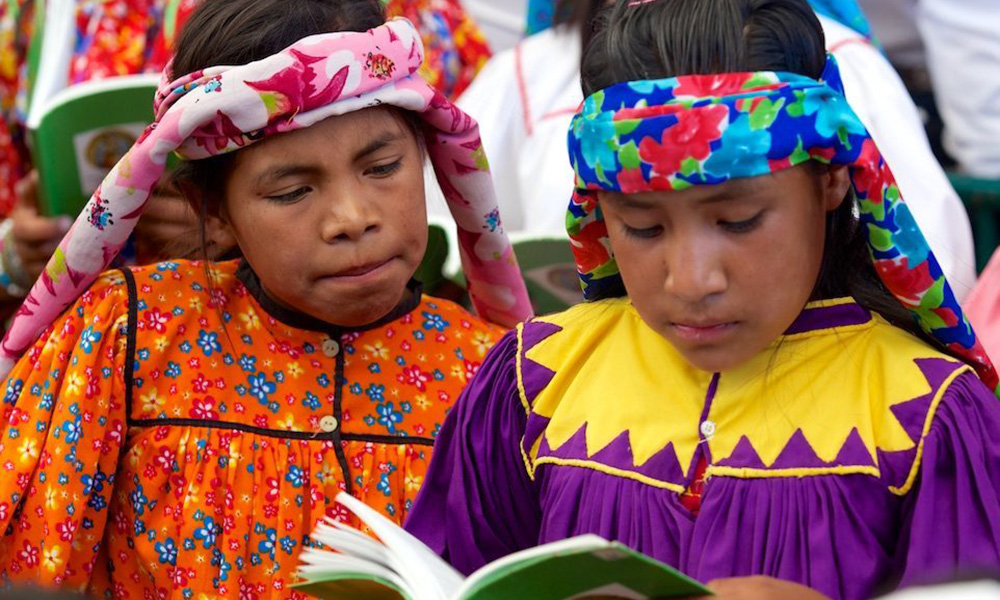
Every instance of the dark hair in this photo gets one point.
(669, 38)
(236, 32)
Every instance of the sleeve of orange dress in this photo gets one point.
(63, 424)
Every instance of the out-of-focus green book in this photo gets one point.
(81, 132)
(397, 566)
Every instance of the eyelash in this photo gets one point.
(643, 234)
(387, 170)
(290, 196)
(742, 226)
(379, 171)
(732, 227)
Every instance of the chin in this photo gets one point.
(714, 360)
(358, 313)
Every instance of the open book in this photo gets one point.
(398, 566)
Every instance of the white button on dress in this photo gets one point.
(331, 348)
(328, 424)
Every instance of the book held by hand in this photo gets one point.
(79, 134)
(397, 566)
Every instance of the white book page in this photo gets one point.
(423, 570)
(320, 564)
(588, 542)
(349, 541)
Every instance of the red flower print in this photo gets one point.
(273, 490)
(905, 282)
(165, 459)
(93, 387)
(66, 529)
(947, 315)
(157, 320)
(204, 409)
(201, 384)
(179, 483)
(29, 554)
(870, 179)
(115, 433)
(631, 181)
(589, 247)
(691, 137)
(471, 368)
(68, 330)
(709, 86)
(415, 377)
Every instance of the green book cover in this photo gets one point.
(82, 132)
(397, 566)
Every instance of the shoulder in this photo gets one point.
(586, 321)
(597, 338)
(183, 275)
(902, 382)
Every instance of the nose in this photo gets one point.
(348, 216)
(695, 270)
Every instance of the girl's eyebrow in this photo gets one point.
(378, 143)
(279, 172)
(629, 201)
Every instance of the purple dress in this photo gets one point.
(849, 457)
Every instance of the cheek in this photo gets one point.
(404, 208)
(780, 268)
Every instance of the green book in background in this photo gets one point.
(397, 566)
(79, 134)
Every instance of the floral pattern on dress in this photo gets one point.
(206, 475)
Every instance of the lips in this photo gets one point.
(701, 332)
(362, 269)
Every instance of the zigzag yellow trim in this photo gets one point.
(586, 464)
(911, 479)
(746, 473)
(524, 398)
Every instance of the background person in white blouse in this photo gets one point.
(525, 97)
(959, 42)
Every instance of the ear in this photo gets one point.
(835, 182)
(217, 227)
(220, 232)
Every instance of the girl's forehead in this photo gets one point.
(342, 137)
(789, 182)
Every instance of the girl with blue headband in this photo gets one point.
(772, 386)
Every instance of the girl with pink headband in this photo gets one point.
(772, 386)
(177, 430)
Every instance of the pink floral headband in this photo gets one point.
(222, 109)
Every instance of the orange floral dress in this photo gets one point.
(175, 438)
